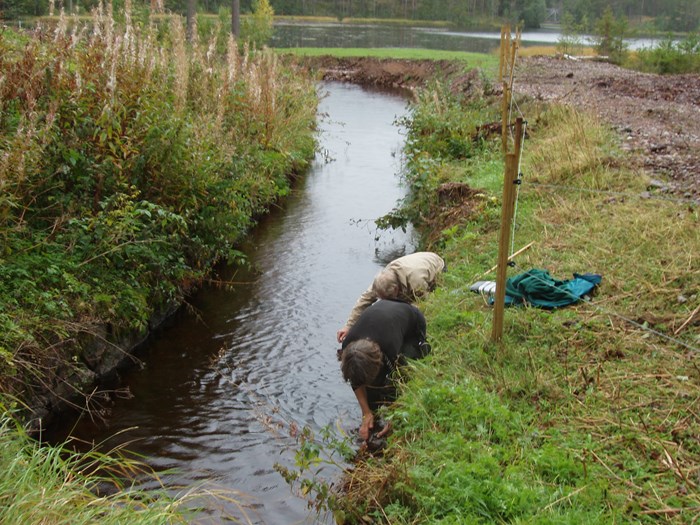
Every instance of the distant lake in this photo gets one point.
(288, 34)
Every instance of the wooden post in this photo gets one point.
(502, 56)
(514, 45)
(509, 50)
(510, 179)
(236, 18)
(518, 140)
(503, 242)
(505, 107)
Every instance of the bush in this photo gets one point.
(130, 163)
(670, 56)
(610, 35)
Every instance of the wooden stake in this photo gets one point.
(513, 255)
(508, 50)
(510, 175)
(502, 56)
(505, 104)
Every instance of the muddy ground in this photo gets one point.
(657, 117)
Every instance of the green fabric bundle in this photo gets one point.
(537, 287)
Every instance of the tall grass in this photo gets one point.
(131, 161)
(40, 484)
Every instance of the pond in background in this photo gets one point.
(288, 34)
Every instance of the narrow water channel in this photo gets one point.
(222, 383)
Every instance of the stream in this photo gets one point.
(224, 382)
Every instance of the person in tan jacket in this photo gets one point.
(404, 279)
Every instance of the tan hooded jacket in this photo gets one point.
(416, 274)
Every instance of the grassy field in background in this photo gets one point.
(362, 21)
(487, 63)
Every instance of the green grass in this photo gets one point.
(476, 59)
(578, 416)
(361, 21)
(589, 416)
(41, 484)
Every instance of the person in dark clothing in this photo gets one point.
(384, 336)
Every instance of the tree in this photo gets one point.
(257, 29)
(236, 18)
(570, 42)
(532, 12)
(610, 34)
(191, 20)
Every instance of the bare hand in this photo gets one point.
(342, 333)
(385, 431)
(366, 426)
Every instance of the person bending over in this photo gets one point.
(405, 279)
(384, 336)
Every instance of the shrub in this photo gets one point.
(670, 56)
(130, 163)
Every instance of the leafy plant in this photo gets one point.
(610, 33)
(257, 28)
(131, 164)
(670, 56)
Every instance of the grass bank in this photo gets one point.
(131, 161)
(471, 59)
(400, 22)
(585, 414)
(49, 485)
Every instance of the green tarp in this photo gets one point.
(538, 288)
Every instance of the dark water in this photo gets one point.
(221, 387)
(369, 36)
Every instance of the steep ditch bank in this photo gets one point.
(87, 382)
(388, 73)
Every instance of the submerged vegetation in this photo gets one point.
(584, 414)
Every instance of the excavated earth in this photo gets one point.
(657, 116)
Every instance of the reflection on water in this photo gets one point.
(370, 36)
(222, 385)
(377, 36)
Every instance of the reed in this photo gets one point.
(42, 484)
(131, 161)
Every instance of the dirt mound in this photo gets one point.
(393, 73)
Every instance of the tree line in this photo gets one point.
(661, 15)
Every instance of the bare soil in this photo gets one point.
(658, 117)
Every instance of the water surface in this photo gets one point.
(385, 36)
(223, 385)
